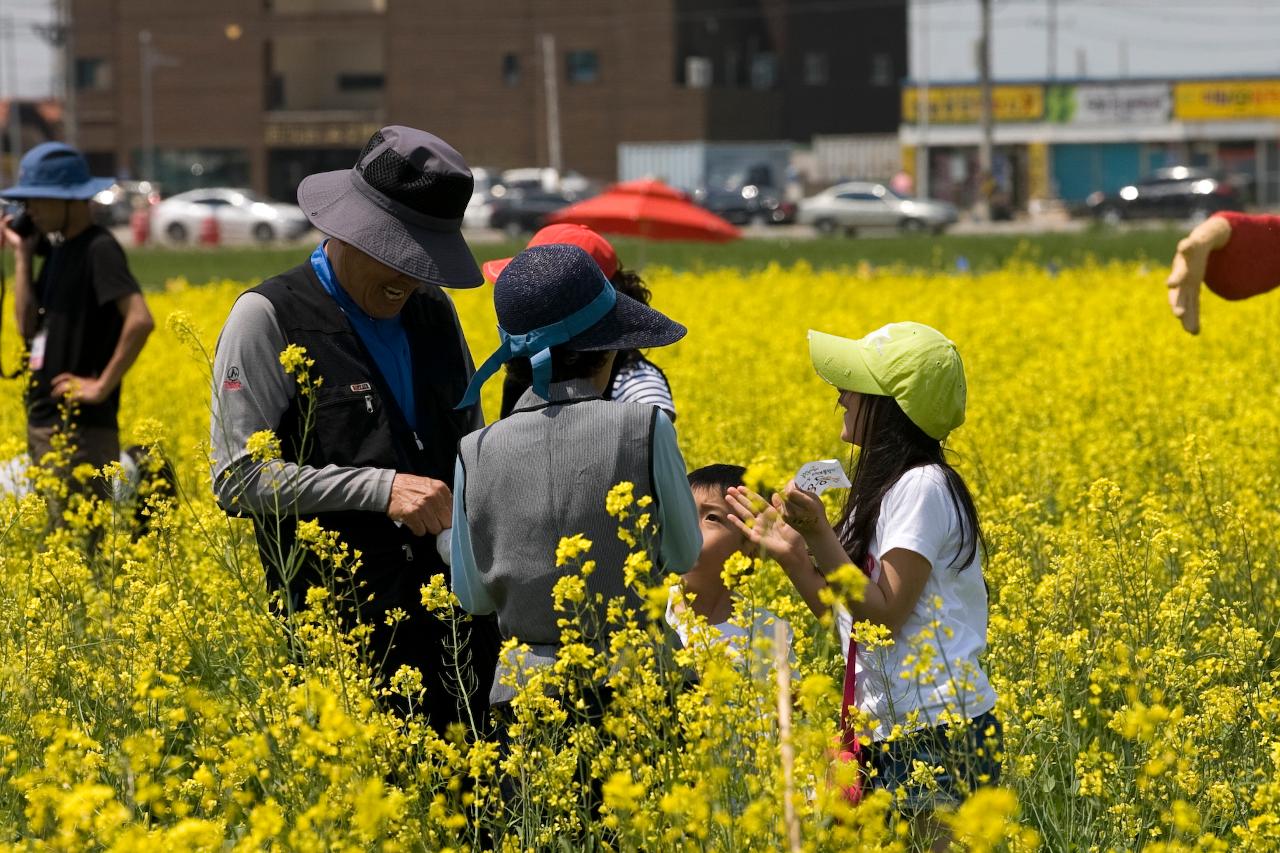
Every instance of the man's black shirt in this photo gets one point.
(76, 292)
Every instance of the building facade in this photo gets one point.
(262, 92)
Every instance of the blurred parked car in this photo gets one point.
(241, 215)
(521, 210)
(115, 204)
(863, 204)
(1177, 192)
(545, 178)
(480, 208)
(743, 205)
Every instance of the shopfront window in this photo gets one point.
(92, 74)
(510, 70)
(582, 66)
(182, 169)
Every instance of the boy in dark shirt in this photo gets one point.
(82, 315)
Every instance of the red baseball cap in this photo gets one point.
(575, 235)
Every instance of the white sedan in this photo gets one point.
(863, 204)
(241, 214)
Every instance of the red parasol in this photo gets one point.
(647, 208)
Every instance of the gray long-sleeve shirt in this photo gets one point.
(251, 392)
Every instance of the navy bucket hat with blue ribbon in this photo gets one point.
(556, 295)
(55, 170)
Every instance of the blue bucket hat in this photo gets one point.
(556, 295)
(55, 170)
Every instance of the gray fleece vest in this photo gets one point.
(541, 474)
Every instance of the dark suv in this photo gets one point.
(523, 210)
(745, 204)
(1178, 192)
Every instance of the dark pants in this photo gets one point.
(595, 703)
(456, 660)
(962, 760)
(457, 669)
(94, 446)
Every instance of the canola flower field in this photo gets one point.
(1125, 473)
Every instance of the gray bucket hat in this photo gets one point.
(401, 204)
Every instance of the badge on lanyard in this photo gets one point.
(38, 344)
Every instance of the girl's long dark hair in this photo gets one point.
(892, 445)
(629, 282)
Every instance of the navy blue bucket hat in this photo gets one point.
(556, 295)
(401, 204)
(55, 170)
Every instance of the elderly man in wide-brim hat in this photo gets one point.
(368, 453)
(81, 311)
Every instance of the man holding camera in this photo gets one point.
(82, 313)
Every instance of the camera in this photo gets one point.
(20, 223)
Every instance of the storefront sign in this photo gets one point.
(325, 134)
(1135, 103)
(963, 104)
(1226, 99)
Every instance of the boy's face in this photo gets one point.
(720, 539)
(48, 214)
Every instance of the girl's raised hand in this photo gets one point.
(762, 523)
(804, 510)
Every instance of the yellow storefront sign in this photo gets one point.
(963, 104)
(325, 134)
(1226, 99)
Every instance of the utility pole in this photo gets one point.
(551, 86)
(10, 27)
(70, 123)
(922, 105)
(58, 35)
(986, 117)
(145, 59)
(149, 59)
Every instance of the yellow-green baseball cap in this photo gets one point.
(913, 363)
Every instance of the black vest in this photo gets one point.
(356, 422)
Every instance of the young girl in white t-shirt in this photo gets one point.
(910, 524)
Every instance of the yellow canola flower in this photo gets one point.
(263, 446)
(159, 694)
(570, 548)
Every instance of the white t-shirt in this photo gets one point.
(742, 637)
(918, 514)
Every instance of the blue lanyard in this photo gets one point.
(386, 340)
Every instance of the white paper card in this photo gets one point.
(38, 344)
(819, 476)
(444, 541)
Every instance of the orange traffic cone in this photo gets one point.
(140, 226)
(209, 235)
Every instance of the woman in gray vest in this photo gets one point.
(543, 472)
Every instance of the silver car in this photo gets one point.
(242, 215)
(863, 204)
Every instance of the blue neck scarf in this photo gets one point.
(536, 346)
(385, 340)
